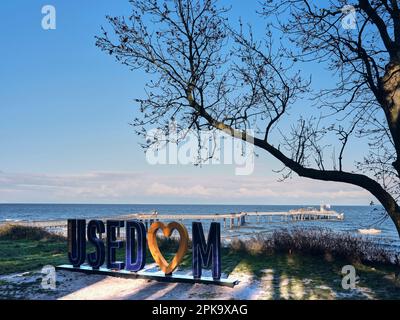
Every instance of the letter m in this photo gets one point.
(206, 254)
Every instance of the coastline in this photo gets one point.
(247, 231)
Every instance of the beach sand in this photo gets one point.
(77, 286)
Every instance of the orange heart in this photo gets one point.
(166, 267)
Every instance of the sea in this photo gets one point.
(355, 217)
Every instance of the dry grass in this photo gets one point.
(18, 232)
(317, 242)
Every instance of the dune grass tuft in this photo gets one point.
(18, 232)
(317, 242)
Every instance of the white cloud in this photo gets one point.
(137, 187)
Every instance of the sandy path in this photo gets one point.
(73, 285)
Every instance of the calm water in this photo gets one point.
(356, 217)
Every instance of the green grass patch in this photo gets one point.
(28, 255)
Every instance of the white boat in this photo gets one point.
(369, 231)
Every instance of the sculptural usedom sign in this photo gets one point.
(205, 253)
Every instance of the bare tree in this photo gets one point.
(206, 74)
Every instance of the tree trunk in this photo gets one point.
(391, 207)
(391, 106)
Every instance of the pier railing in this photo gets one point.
(241, 218)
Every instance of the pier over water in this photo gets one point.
(232, 220)
(227, 220)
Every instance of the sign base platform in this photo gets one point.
(158, 276)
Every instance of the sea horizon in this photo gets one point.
(187, 204)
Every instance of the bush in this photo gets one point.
(20, 232)
(317, 242)
(169, 244)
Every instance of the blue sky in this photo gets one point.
(64, 113)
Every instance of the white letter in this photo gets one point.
(349, 21)
(172, 143)
(49, 20)
(157, 151)
(188, 149)
(349, 280)
(243, 154)
(49, 278)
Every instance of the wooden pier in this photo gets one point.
(232, 220)
(228, 220)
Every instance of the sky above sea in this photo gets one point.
(65, 109)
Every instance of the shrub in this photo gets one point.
(317, 242)
(20, 232)
(169, 244)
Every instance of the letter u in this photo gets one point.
(76, 241)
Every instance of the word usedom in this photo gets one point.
(205, 254)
